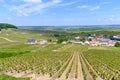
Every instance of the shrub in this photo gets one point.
(117, 44)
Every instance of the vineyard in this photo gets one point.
(105, 61)
(56, 61)
(41, 61)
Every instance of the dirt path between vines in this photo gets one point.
(98, 78)
(73, 69)
(54, 77)
(31, 75)
(80, 73)
(63, 76)
(89, 77)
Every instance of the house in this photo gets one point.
(64, 42)
(92, 35)
(81, 37)
(77, 42)
(103, 43)
(111, 43)
(78, 37)
(117, 38)
(87, 42)
(89, 37)
(93, 43)
(31, 41)
(42, 41)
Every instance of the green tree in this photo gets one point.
(117, 44)
(61, 39)
(89, 39)
(49, 40)
(82, 39)
(5, 26)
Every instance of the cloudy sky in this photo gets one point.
(59, 12)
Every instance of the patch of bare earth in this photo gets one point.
(63, 76)
(40, 77)
(72, 72)
(80, 73)
(31, 75)
(15, 74)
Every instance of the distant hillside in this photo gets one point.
(5, 26)
(77, 27)
(38, 27)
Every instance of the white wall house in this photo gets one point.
(42, 42)
(87, 42)
(64, 42)
(77, 42)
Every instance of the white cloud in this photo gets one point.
(112, 15)
(92, 8)
(67, 4)
(28, 1)
(116, 8)
(83, 6)
(1, 0)
(8, 18)
(110, 19)
(95, 8)
(33, 1)
(27, 8)
(56, 1)
(106, 2)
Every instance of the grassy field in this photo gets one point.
(95, 30)
(54, 61)
(6, 77)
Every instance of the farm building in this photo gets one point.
(64, 42)
(31, 41)
(117, 38)
(103, 42)
(42, 41)
(77, 42)
(87, 42)
(111, 43)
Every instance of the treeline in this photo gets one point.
(6, 26)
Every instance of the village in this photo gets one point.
(91, 40)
